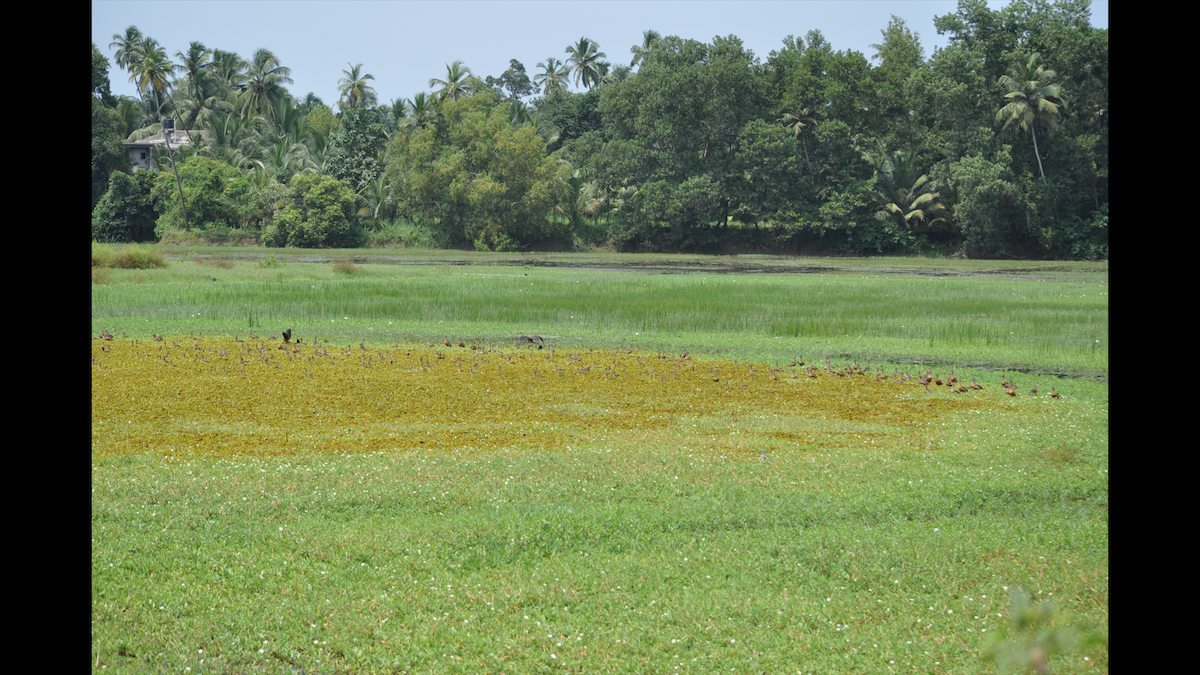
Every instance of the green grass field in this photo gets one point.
(604, 505)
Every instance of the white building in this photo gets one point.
(140, 152)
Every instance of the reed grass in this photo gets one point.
(985, 320)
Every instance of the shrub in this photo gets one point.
(268, 262)
(125, 213)
(138, 258)
(204, 184)
(319, 213)
(344, 266)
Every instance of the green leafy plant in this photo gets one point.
(1034, 635)
(269, 262)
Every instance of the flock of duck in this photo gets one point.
(928, 379)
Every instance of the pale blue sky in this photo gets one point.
(405, 43)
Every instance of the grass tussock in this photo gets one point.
(101, 275)
(345, 266)
(137, 258)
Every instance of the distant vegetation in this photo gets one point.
(995, 146)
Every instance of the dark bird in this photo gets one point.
(531, 339)
(287, 335)
(213, 278)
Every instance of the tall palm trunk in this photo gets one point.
(811, 178)
(175, 169)
(1039, 154)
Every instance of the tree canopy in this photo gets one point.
(996, 145)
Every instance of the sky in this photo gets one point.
(405, 43)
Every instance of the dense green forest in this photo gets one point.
(995, 146)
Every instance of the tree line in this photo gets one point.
(996, 145)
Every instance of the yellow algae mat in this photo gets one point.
(189, 396)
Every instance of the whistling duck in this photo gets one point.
(1053, 394)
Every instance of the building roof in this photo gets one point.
(178, 137)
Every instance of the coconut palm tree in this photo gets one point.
(601, 73)
(650, 39)
(283, 158)
(354, 88)
(518, 114)
(421, 111)
(132, 113)
(310, 101)
(193, 103)
(192, 63)
(393, 115)
(797, 121)
(454, 86)
(233, 139)
(618, 74)
(584, 57)
(1031, 98)
(553, 76)
(229, 69)
(377, 194)
(905, 195)
(263, 87)
(126, 45)
(544, 127)
(150, 70)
